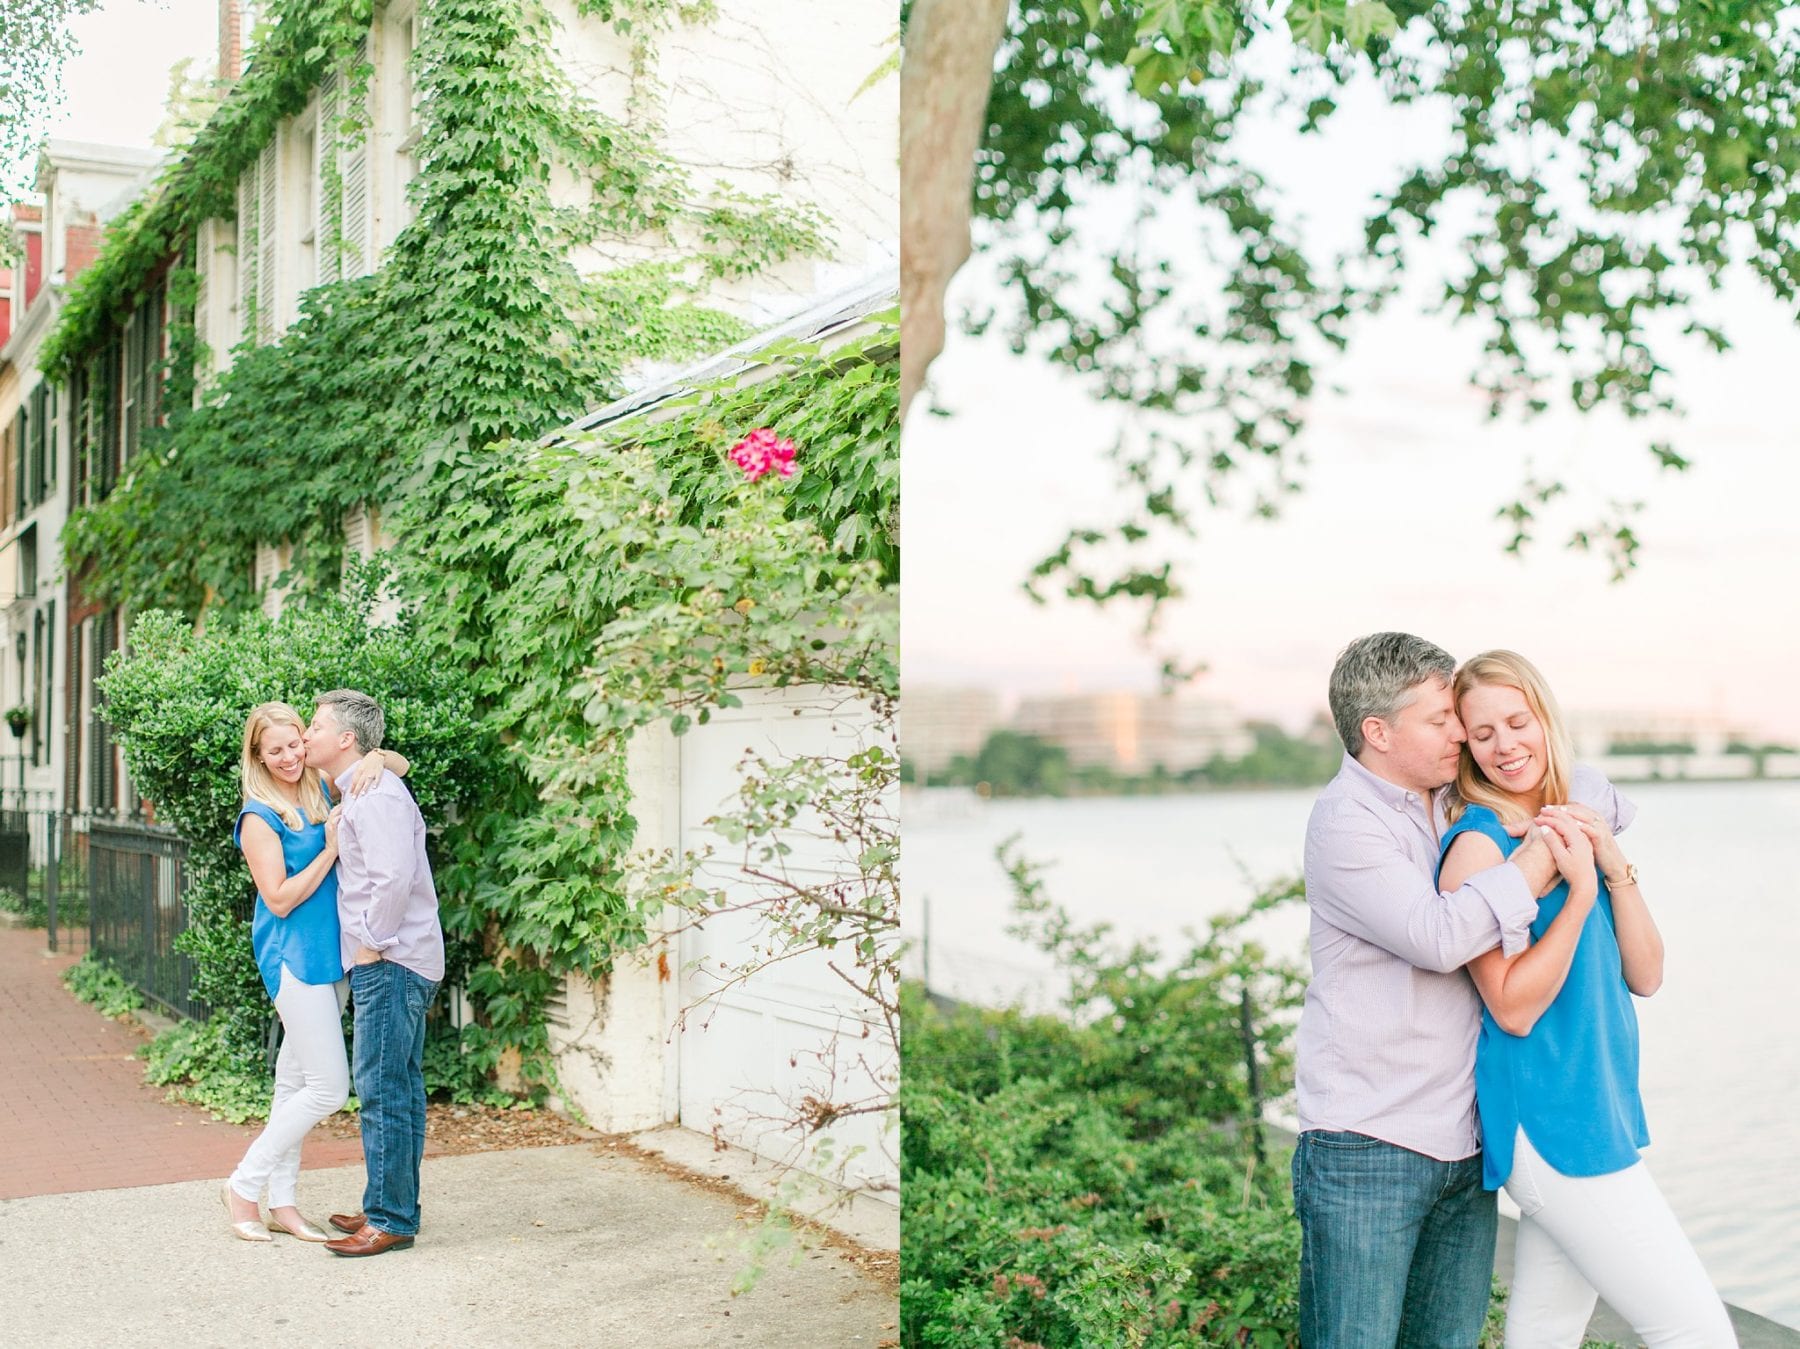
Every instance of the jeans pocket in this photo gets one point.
(1340, 1140)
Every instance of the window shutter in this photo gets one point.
(108, 408)
(354, 162)
(327, 212)
(40, 439)
(359, 541)
(249, 199)
(101, 778)
(266, 566)
(203, 265)
(53, 408)
(23, 430)
(78, 408)
(267, 236)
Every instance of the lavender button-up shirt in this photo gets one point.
(386, 900)
(1387, 1036)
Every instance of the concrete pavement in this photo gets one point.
(561, 1246)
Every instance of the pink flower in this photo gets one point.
(762, 451)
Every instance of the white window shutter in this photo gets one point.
(380, 536)
(268, 567)
(353, 160)
(249, 199)
(204, 238)
(359, 540)
(267, 237)
(325, 140)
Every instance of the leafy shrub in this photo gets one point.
(179, 701)
(199, 1064)
(92, 980)
(1093, 1179)
(455, 1072)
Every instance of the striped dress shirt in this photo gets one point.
(1387, 1036)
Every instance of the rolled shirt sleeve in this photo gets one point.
(1594, 789)
(1361, 882)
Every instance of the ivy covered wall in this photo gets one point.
(423, 386)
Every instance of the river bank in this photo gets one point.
(1720, 1072)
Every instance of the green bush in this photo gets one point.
(30, 907)
(1092, 1179)
(198, 1063)
(456, 1071)
(179, 701)
(94, 981)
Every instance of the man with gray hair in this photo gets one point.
(393, 948)
(1397, 1233)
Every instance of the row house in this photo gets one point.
(741, 104)
(50, 642)
(757, 135)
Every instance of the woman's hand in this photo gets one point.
(1607, 854)
(331, 830)
(1573, 851)
(368, 772)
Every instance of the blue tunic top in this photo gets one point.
(1572, 1083)
(306, 941)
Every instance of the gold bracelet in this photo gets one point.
(1629, 878)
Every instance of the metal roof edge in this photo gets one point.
(835, 312)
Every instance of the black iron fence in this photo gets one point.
(136, 875)
(112, 887)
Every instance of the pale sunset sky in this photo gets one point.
(1396, 526)
(116, 84)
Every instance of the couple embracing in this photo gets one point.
(1477, 936)
(345, 908)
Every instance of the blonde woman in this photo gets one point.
(1556, 1065)
(287, 830)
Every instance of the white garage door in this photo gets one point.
(752, 1052)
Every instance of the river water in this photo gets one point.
(1721, 868)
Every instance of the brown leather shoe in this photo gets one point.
(369, 1241)
(349, 1223)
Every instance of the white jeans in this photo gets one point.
(312, 1080)
(1611, 1236)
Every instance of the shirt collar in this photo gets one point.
(342, 782)
(1388, 793)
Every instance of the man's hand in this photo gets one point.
(364, 956)
(1533, 857)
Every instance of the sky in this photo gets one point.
(1396, 526)
(116, 85)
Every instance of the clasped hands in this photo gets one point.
(1577, 840)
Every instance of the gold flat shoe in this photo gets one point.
(246, 1230)
(305, 1231)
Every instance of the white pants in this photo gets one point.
(1611, 1236)
(312, 1080)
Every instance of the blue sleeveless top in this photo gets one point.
(306, 941)
(1572, 1084)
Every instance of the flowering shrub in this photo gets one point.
(762, 451)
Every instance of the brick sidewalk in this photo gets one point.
(75, 1111)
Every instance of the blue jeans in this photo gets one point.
(388, 1051)
(1396, 1248)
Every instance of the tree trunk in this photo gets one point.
(944, 81)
